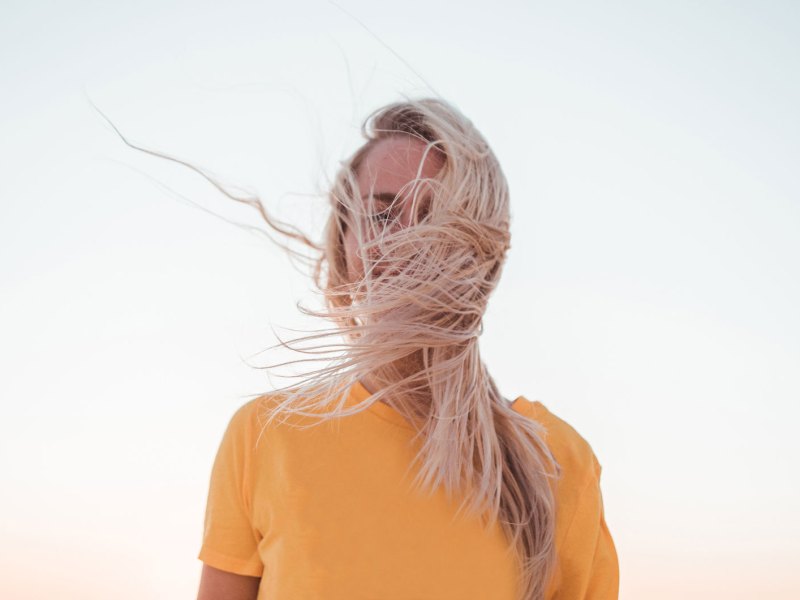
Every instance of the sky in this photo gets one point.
(649, 298)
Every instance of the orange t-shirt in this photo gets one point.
(328, 513)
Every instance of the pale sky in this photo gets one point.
(650, 297)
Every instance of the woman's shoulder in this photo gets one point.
(252, 418)
(249, 418)
(572, 451)
(587, 565)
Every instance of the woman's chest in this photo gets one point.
(342, 520)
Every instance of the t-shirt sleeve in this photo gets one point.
(589, 568)
(230, 542)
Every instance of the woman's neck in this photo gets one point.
(399, 369)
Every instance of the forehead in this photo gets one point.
(395, 161)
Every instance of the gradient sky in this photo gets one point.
(650, 297)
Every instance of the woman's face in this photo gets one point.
(386, 171)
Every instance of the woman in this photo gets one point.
(397, 470)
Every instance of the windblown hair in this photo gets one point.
(412, 321)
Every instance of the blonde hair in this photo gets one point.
(413, 327)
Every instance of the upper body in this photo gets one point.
(328, 512)
(413, 248)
